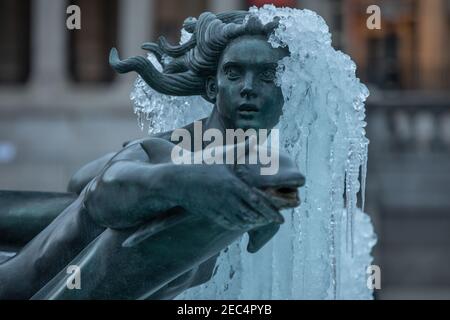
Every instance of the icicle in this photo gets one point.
(364, 174)
(333, 255)
(332, 231)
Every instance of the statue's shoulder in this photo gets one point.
(157, 147)
(146, 140)
(162, 135)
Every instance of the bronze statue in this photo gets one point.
(197, 210)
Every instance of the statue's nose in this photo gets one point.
(248, 87)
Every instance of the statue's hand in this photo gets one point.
(216, 192)
(239, 196)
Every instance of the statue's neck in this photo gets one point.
(216, 121)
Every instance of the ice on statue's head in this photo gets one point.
(322, 250)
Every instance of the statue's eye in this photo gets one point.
(232, 73)
(268, 75)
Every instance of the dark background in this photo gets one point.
(62, 106)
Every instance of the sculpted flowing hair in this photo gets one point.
(186, 67)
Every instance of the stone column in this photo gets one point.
(48, 64)
(136, 27)
(432, 41)
(48, 36)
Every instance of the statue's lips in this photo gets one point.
(247, 109)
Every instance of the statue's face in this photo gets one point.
(245, 91)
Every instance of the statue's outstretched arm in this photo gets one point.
(86, 173)
(129, 193)
(89, 171)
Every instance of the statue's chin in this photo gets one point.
(248, 123)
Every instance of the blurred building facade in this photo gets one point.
(62, 106)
